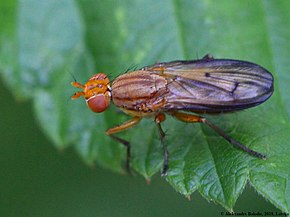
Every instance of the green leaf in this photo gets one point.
(44, 43)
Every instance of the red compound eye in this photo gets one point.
(98, 103)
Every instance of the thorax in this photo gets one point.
(139, 93)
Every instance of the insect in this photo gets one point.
(183, 89)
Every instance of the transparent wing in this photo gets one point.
(214, 85)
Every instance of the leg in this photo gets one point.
(193, 119)
(128, 148)
(208, 57)
(158, 119)
(126, 125)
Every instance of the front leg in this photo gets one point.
(124, 126)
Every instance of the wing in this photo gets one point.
(213, 85)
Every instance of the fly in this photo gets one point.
(182, 89)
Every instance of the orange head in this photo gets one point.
(97, 92)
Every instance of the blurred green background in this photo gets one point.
(38, 180)
(37, 62)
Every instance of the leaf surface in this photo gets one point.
(44, 43)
